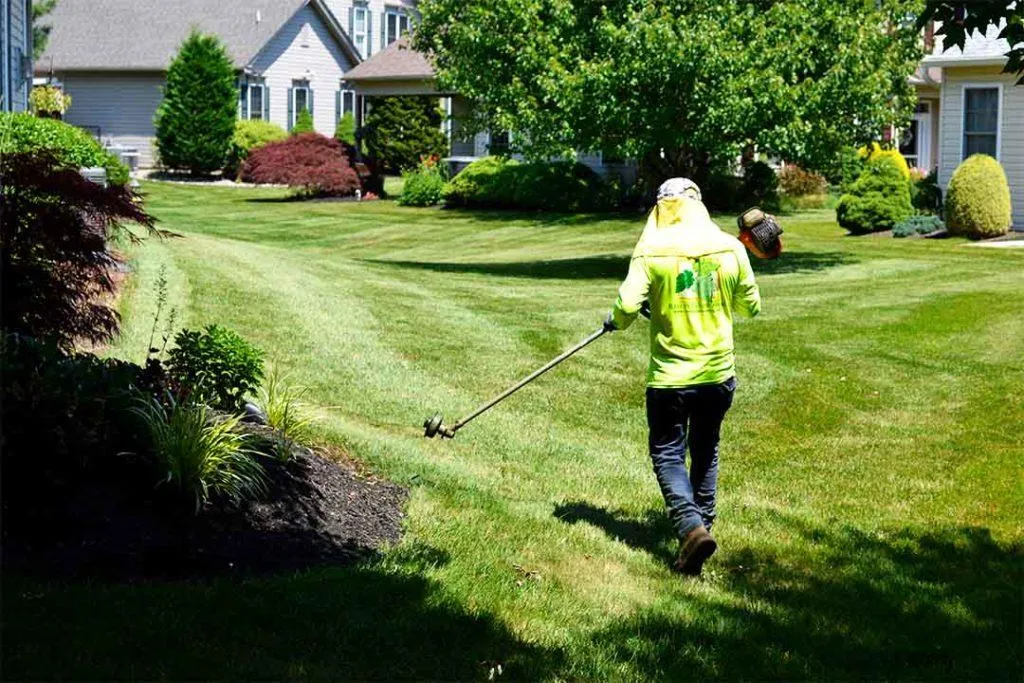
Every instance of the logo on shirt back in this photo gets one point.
(698, 279)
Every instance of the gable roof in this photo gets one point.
(398, 61)
(144, 35)
(979, 49)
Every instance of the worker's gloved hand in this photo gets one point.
(609, 323)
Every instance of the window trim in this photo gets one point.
(964, 87)
(401, 14)
(295, 99)
(347, 91)
(263, 94)
(357, 7)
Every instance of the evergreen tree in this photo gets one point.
(399, 130)
(303, 123)
(196, 119)
(346, 130)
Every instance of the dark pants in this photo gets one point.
(688, 416)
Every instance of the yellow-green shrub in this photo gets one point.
(878, 200)
(978, 199)
(250, 135)
(875, 151)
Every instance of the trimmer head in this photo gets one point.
(434, 425)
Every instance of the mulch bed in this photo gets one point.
(322, 510)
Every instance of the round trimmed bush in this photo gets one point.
(879, 199)
(978, 199)
(496, 182)
(250, 135)
(70, 145)
(423, 186)
(485, 182)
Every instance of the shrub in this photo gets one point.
(199, 455)
(311, 163)
(548, 186)
(69, 146)
(978, 199)
(925, 193)
(279, 403)
(303, 123)
(215, 366)
(423, 186)
(47, 100)
(878, 200)
(346, 129)
(485, 182)
(917, 225)
(875, 151)
(760, 186)
(400, 130)
(196, 119)
(250, 135)
(796, 182)
(54, 232)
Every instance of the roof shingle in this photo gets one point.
(398, 61)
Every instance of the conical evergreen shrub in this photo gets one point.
(400, 130)
(196, 119)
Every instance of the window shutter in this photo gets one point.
(266, 102)
(383, 30)
(243, 101)
(352, 23)
(337, 106)
(291, 108)
(310, 104)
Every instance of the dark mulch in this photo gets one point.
(321, 510)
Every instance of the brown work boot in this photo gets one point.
(697, 547)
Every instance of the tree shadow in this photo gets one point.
(614, 267)
(369, 622)
(587, 268)
(802, 262)
(944, 603)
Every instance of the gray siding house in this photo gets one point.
(111, 57)
(15, 54)
(966, 105)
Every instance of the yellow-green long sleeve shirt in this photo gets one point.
(696, 278)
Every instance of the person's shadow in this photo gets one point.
(651, 532)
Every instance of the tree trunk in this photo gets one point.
(658, 165)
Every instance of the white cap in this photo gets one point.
(679, 187)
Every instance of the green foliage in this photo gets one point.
(796, 182)
(346, 129)
(505, 183)
(72, 146)
(303, 123)
(423, 186)
(400, 130)
(925, 193)
(760, 186)
(250, 135)
(199, 454)
(680, 86)
(917, 225)
(215, 366)
(280, 404)
(978, 199)
(878, 200)
(874, 151)
(196, 119)
(47, 99)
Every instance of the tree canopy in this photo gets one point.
(679, 85)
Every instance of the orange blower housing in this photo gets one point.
(760, 233)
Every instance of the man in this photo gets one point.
(695, 278)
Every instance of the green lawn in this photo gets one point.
(871, 494)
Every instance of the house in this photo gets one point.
(966, 105)
(112, 55)
(16, 56)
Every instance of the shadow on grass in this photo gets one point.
(905, 604)
(652, 532)
(370, 622)
(615, 267)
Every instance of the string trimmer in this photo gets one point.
(434, 425)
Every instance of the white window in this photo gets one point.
(348, 103)
(981, 121)
(361, 29)
(396, 24)
(300, 94)
(256, 99)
